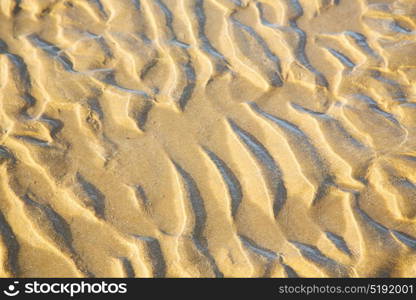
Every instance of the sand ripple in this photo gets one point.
(204, 138)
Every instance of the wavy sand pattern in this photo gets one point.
(202, 138)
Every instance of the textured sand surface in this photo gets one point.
(202, 138)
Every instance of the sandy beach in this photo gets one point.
(207, 138)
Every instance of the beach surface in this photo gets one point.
(207, 138)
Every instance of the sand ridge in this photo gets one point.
(207, 138)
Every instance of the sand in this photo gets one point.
(207, 138)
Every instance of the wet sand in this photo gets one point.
(207, 138)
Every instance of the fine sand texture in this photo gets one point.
(207, 138)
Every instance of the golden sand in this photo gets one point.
(202, 138)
